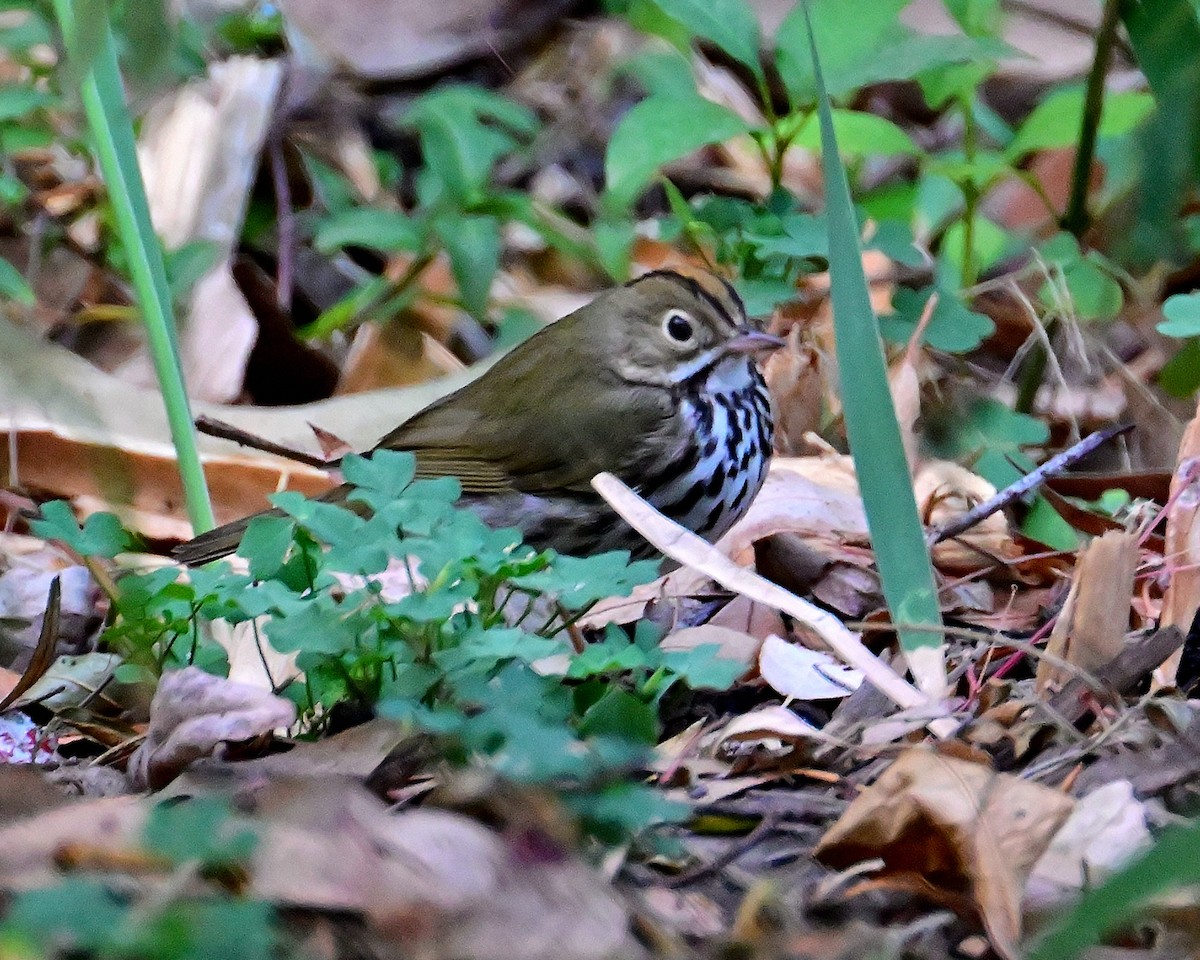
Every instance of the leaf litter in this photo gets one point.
(818, 827)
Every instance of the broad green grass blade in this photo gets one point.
(874, 433)
(112, 130)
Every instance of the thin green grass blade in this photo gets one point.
(112, 130)
(871, 425)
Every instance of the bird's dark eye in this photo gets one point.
(679, 327)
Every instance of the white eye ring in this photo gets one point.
(679, 327)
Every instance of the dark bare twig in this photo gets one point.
(1076, 219)
(212, 427)
(768, 823)
(1030, 481)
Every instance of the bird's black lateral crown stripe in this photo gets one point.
(693, 286)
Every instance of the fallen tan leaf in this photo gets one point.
(945, 491)
(1094, 621)
(70, 430)
(395, 354)
(796, 380)
(774, 723)
(199, 152)
(957, 825)
(1182, 548)
(730, 644)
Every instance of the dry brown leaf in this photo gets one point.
(402, 39)
(1182, 549)
(199, 154)
(425, 880)
(1094, 621)
(797, 383)
(775, 723)
(945, 491)
(77, 431)
(956, 824)
(394, 354)
(252, 659)
(810, 496)
(730, 644)
(193, 713)
(747, 616)
(71, 681)
(904, 382)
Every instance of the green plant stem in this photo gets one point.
(1076, 219)
(112, 130)
(970, 192)
(1033, 371)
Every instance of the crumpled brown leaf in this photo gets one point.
(957, 826)
(193, 713)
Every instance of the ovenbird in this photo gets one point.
(655, 382)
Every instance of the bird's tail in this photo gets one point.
(224, 540)
(218, 542)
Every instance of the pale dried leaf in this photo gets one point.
(401, 39)
(803, 674)
(252, 659)
(944, 492)
(393, 355)
(769, 723)
(795, 377)
(199, 153)
(78, 431)
(70, 681)
(193, 713)
(1182, 547)
(1105, 831)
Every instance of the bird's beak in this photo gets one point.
(753, 341)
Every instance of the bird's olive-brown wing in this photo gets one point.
(538, 421)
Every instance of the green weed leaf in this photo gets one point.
(657, 131)
(100, 536)
(1183, 316)
(729, 24)
(13, 285)
(387, 230)
(953, 327)
(578, 582)
(265, 544)
(473, 245)
(1055, 121)
(860, 134)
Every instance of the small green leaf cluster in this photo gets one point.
(85, 916)
(463, 131)
(25, 109)
(398, 600)
(937, 202)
